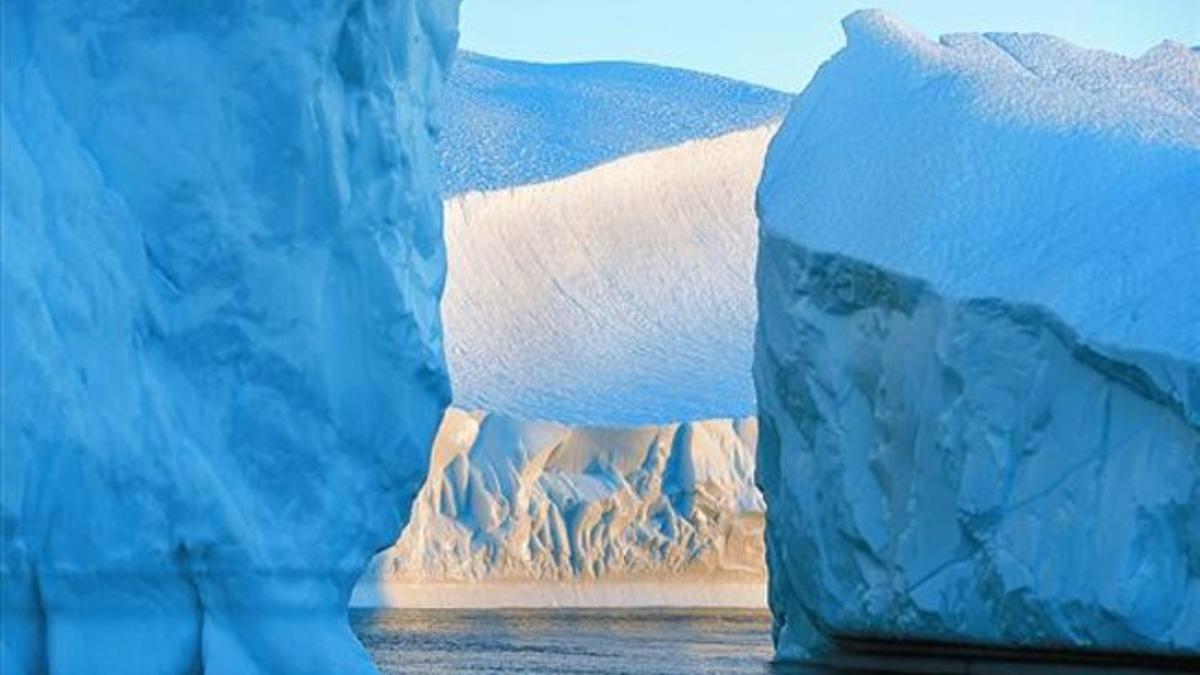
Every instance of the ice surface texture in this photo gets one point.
(515, 501)
(222, 362)
(1013, 166)
(622, 295)
(977, 353)
(511, 123)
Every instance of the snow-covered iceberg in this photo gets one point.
(222, 361)
(600, 330)
(978, 351)
(511, 123)
(620, 296)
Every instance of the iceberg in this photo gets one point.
(523, 513)
(510, 123)
(222, 354)
(599, 335)
(978, 351)
(619, 296)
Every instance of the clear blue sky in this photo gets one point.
(781, 42)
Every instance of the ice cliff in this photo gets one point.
(222, 361)
(978, 352)
(534, 513)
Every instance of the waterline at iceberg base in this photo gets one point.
(977, 360)
(222, 360)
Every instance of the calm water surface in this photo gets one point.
(610, 641)
(568, 641)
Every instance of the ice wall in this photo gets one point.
(222, 362)
(647, 515)
(978, 351)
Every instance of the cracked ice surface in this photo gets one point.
(978, 344)
(222, 362)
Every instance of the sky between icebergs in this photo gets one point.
(779, 43)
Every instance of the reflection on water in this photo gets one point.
(567, 641)
(610, 641)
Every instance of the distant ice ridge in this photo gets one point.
(520, 513)
(222, 362)
(978, 352)
(619, 296)
(512, 123)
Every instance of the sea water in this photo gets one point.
(596, 641)
(656, 642)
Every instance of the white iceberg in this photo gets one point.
(978, 352)
(600, 330)
(222, 361)
(619, 296)
(519, 513)
(510, 123)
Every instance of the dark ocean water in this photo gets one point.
(642, 641)
(602, 641)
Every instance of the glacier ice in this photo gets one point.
(222, 362)
(596, 326)
(978, 350)
(510, 123)
(620, 296)
(520, 513)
